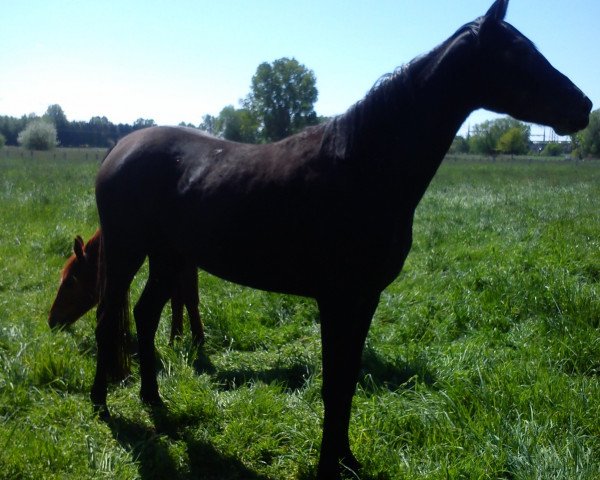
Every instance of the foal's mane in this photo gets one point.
(64, 273)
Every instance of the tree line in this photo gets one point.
(512, 137)
(53, 128)
(280, 102)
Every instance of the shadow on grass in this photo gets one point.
(291, 377)
(150, 447)
(378, 372)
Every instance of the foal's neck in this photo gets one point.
(92, 247)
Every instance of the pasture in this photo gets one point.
(483, 360)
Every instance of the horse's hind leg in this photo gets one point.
(177, 300)
(118, 268)
(147, 312)
(188, 283)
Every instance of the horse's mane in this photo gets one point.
(390, 101)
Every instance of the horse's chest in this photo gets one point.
(379, 258)
(393, 259)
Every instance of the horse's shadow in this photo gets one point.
(292, 376)
(150, 447)
(377, 372)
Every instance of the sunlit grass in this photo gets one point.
(483, 360)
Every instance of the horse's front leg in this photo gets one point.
(147, 312)
(345, 323)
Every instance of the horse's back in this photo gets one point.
(239, 211)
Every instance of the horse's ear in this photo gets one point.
(498, 10)
(78, 248)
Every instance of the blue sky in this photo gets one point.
(177, 60)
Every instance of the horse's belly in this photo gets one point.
(261, 271)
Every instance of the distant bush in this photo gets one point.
(2, 140)
(552, 149)
(38, 135)
(514, 141)
(588, 140)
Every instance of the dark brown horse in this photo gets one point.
(326, 213)
(78, 291)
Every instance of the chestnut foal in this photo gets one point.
(78, 291)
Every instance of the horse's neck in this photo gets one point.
(406, 124)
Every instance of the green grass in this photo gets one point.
(483, 360)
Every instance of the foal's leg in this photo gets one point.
(188, 284)
(345, 323)
(147, 312)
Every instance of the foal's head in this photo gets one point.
(514, 77)
(78, 289)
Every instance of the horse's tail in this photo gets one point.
(113, 335)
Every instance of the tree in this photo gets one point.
(209, 124)
(39, 134)
(238, 125)
(483, 140)
(10, 128)
(56, 115)
(486, 136)
(515, 141)
(282, 98)
(2, 140)
(143, 123)
(100, 131)
(459, 145)
(588, 140)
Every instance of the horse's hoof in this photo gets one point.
(152, 400)
(351, 464)
(101, 411)
(347, 467)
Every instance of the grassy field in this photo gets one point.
(483, 360)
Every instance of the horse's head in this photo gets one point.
(513, 77)
(77, 291)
